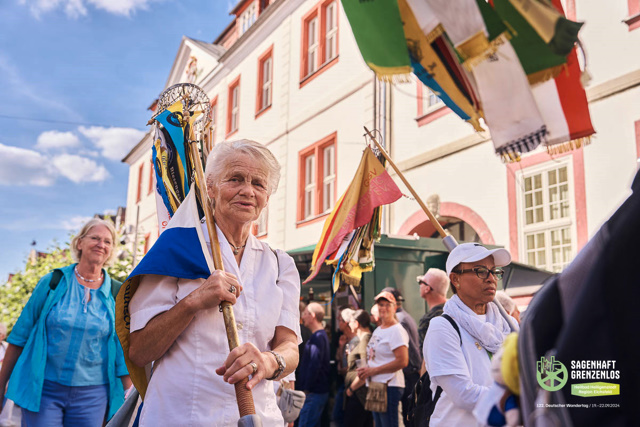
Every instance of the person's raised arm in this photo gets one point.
(158, 335)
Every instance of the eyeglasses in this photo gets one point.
(483, 272)
(422, 282)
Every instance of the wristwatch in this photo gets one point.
(282, 365)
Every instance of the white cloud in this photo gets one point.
(80, 169)
(75, 223)
(77, 8)
(55, 139)
(115, 143)
(19, 166)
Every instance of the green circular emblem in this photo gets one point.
(551, 374)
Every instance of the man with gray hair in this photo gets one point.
(433, 289)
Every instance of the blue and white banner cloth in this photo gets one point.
(180, 251)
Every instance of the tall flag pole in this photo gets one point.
(181, 250)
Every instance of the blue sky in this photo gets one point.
(88, 70)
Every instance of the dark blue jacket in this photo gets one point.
(314, 365)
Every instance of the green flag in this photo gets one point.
(377, 27)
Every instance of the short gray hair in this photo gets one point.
(437, 280)
(506, 301)
(76, 254)
(223, 151)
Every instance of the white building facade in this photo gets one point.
(288, 73)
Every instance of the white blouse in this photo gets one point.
(184, 389)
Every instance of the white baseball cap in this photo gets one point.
(470, 252)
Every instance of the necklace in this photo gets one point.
(236, 249)
(86, 280)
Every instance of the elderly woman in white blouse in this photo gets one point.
(177, 322)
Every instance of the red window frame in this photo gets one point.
(260, 108)
(213, 113)
(147, 239)
(316, 149)
(234, 85)
(318, 11)
(433, 114)
(151, 170)
(579, 187)
(139, 192)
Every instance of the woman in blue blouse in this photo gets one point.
(64, 358)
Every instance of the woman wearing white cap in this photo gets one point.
(460, 363)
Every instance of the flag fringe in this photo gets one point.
(490, 50)
(435, 33)
(476, 124)
(400, 74)
(349, 280)
(511, 152)
(544, 75)
(565, 147)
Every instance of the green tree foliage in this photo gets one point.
(15, 294)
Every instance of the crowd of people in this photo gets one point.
(64, 364)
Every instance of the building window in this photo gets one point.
(312, 45)
(151, 179)
(233, 107)
(328, 177)
(147, 242)
(319, 38)
(309, 185)
(259, 228)
(248, 18)
(427, 100)
(331, 31)
(214, 119)
(265, 81)
(317, 179)
(547, 224)
(139, 192)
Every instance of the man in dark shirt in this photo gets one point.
(314, 367)
(412, 370)
(434, 285)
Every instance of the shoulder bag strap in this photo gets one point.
(278, 262)
(55, 279)
(454, 324)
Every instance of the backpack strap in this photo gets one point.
(55, 279)
(278, 262)
(454, 324)
(115, 287)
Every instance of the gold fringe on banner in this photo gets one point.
(490, 50)
(510, 157)
(474, 46)
(392, 74)
(544, 75)
(435, 33)
(565, 147)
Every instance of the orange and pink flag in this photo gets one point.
(370, 188)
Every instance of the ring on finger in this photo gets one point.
(254, 366)
(232, 289)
